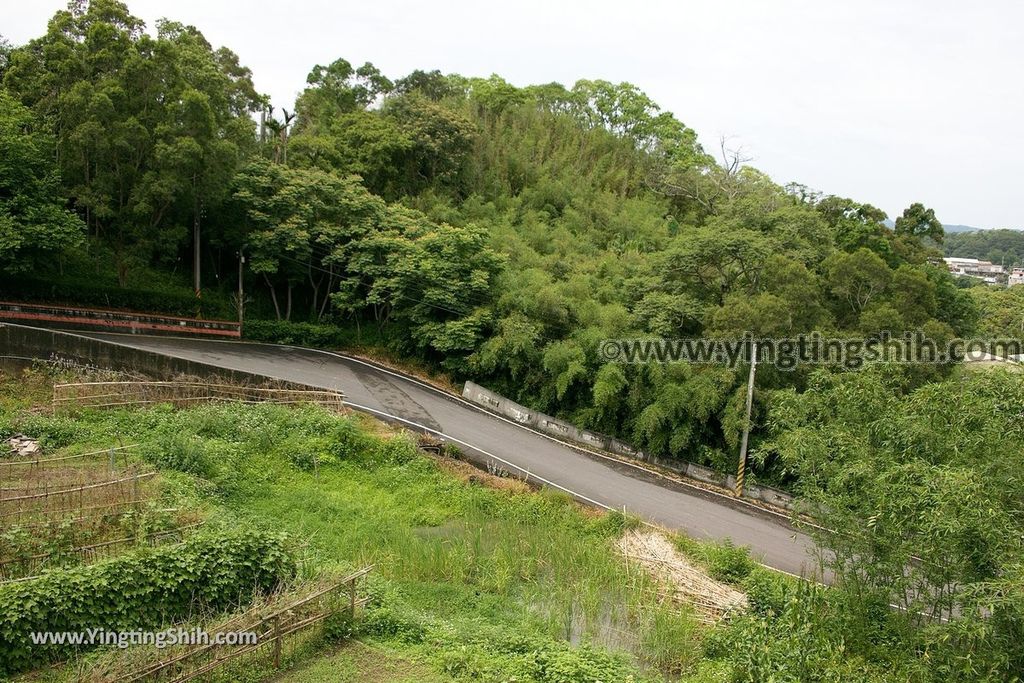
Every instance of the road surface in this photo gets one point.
(487, 438)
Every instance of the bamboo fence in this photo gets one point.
(272, 630)
(183, 394)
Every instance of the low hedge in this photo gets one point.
(147, 589)
(315, 335)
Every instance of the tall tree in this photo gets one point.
(436, 278)
(141, 173)
(858, 278)
(919, 221)
(34, 223)
(300, 223)
(339, 88)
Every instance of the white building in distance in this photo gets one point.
(976, 268)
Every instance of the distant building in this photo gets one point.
(976, 268)
(1016, 277)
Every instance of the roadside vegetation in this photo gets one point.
(481, 578)
(470, 580)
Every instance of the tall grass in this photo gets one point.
(453, 560)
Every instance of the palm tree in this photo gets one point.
(279, 129)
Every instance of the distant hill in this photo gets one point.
(997, 246)
(950, 228)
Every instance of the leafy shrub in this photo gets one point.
(307, 453)
(766, 592)
(347, 441)
(803, 641)
(393, 624)
(729, 563)
(305, 459)
(338, 627)
(450, 450)
(7, 429)
(17, 544)
(526, 658)
(182, 453)
(54, 431)
(318, 335)
(392, 452)
(145, 589)
(324, 335)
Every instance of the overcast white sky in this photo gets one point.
(888, 102)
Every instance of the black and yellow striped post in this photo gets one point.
(741, 470)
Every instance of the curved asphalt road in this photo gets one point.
(488, 438)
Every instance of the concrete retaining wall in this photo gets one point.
(53, 345)
(539, 421)
(559, 428)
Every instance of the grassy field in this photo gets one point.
(475, 578)
(357, 662)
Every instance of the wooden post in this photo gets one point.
(196, 252)
(352, 599)
(277, 641)
(241, 292)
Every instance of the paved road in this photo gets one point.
(698, 513)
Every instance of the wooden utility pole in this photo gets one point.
(241, 280)
(741, 470)
(196, 264)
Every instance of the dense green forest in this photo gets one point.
(493, 231)
(500, 233)
(998, 246)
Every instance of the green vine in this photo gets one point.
(143, 590)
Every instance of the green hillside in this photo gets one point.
(493, 232)
(501, 234)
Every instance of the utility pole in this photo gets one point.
(241, 280)
(196, 264)
(741, 470)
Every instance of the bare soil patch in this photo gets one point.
(679, 579)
